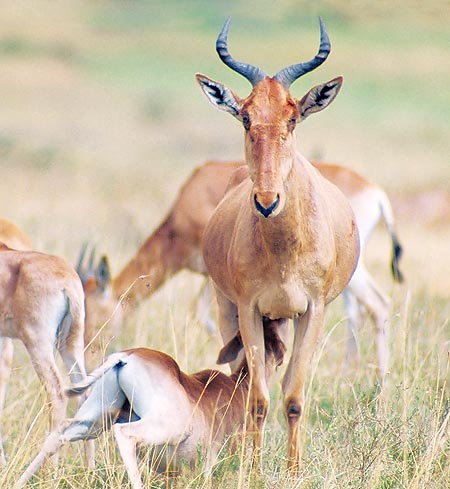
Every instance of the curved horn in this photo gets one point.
(79, 266)
(288, 75)
(253, 74)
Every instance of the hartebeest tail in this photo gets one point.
(151, 402)
(388, 217)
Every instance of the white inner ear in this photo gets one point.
(221, 97)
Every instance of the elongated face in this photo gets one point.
(269, 116)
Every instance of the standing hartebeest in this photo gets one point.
(153, 403)
(42, 304)
(282, 243)
(176, 245)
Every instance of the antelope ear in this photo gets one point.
(103, 273)
(220, 95)
(230, 351)
(319, 97)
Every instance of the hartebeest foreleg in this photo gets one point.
(308, 329)
(252, 333)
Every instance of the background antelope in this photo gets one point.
(176, 245)
(42, 304)
(13, 237)
(283, 243)
(152, 403)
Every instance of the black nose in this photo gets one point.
(266, 211)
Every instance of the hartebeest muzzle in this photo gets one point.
(266, 202)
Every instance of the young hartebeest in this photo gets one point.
(176, 245)
(283, 243)
(42, 304)
(151, 402)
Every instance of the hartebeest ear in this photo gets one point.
(103, 273)
(319, 97)
(230, 351)
(220, 95)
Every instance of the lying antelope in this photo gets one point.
(176, 245)
(13, 237)
(282, 243)
(151, 402)
(42, 304)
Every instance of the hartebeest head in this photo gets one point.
(269, 116)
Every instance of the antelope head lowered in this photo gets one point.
(283, 242)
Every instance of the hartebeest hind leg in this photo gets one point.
(375, 302)
(308, 329)
(6, 358)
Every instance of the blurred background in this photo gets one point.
(101, 119)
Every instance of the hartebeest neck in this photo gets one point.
(294, 228)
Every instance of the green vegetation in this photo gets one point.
(101, 122)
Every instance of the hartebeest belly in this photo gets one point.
(266, 264)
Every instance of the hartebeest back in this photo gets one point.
(153, 403)
(42, 304)
(176, 245)
(284, 242)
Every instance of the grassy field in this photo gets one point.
(100, 123)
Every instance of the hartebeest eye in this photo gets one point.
(246, 121)
(291, 123)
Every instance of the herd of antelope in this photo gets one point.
(277, 238)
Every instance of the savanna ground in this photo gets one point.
(100, 123)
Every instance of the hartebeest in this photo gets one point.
(151, 402)
(42, 304)
(176, 245)
(282, 243)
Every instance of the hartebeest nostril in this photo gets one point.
(266, 211)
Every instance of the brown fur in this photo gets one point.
(42, 304)
(281, 244)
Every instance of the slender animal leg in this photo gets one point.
(6, 357)
(102, 404)
(72, 355)
(228, 323)
(205, 301)
(41, 355)
(352, 309)
(308, 329)
(376, 304)
(146, 431)
(127, 449)
(52, 445)
(251, 328)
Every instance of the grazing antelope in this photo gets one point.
(42, 304)
(151, 402)
(282, 243)
(173, 246)
(176, 245)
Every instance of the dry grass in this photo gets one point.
(101, 122)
